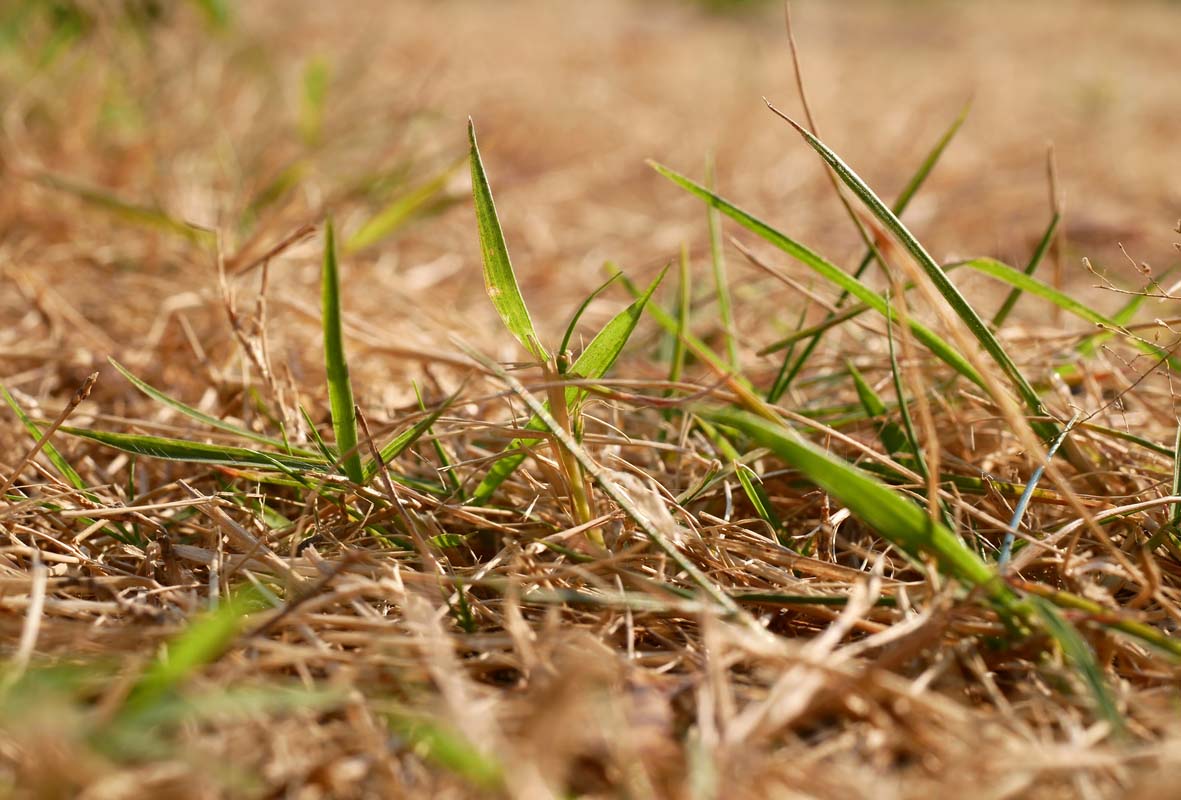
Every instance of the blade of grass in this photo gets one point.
(201, 416)
(499, 278)
(1023, 502)
(1079, 654)
(1031, 285)
(979, 330)
(827, 270)
(898, 520)
(408, 437)
(1035, 260)
(196, 452)
(752, 487)
(891, 436)
(594, 362)
(400, 211)
(717, 259)
(903, 200)
(570, 328)
(340, 388)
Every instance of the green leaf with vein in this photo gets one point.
(1031, 285)
(895, 518)
(594, 362)
(499, 278)
(340, 388)
(943, 284)
(198, 452)
(827, 270)
(200, 416)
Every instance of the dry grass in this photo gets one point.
(495, 651)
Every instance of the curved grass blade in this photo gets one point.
(569, 334)
(903, 200)
(499, 278)
(897, 519)
(197, 452)
(593, 363)
(1023, 502)
(942, 283)
(752, 486)
(717, 259)
(827, 270)
(1031, 285)
(142, 216)
(340, 388)
(402, 210)
(1039, 253)
(1081, 657)
(201, 416)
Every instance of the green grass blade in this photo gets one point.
(340, 388)
(900, 203)
(1035, 260)
(593, 363)
(717, 259)
(897, 519)
(499, 278)
(892, 437)
(752, 487)
(316, 77)
(408, 437)
(1081, 657)
(196, 452)
(200, 416)
(1031, 285)
(570, 328)
(450, 750)
(676, 362)
(938, 277)
(828, 271)
(141, 216)
(54, 455)
(400, 211)
(202, 642)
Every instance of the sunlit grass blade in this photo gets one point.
(892, 437)
(316, 77)
(1080, 656)
(895, 518)
(499, 278)
(197, 452)
(1031, 285)
(340, 387)
(54, 455)
(900, 203)
(935, 273)
(717, 257)
(141, 216)
(681, 313)
(408, 437)
(828, 271)
(594, 362)
(414, 203)
(1043, 246)
(578, 312)
(445, 466)
(202, 642)
(200, 416)
(752, 486)
(450, 750)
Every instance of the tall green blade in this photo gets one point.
(340, 388)
(499, 278)
(827, 270)
(1035, 260)
(943, 284)
(197, 452)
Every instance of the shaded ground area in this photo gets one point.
(167, 178)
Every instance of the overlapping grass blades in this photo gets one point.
(977, 326)
(828, 271)
(593, 363)
(898, 520)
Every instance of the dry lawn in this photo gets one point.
(165, 187)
